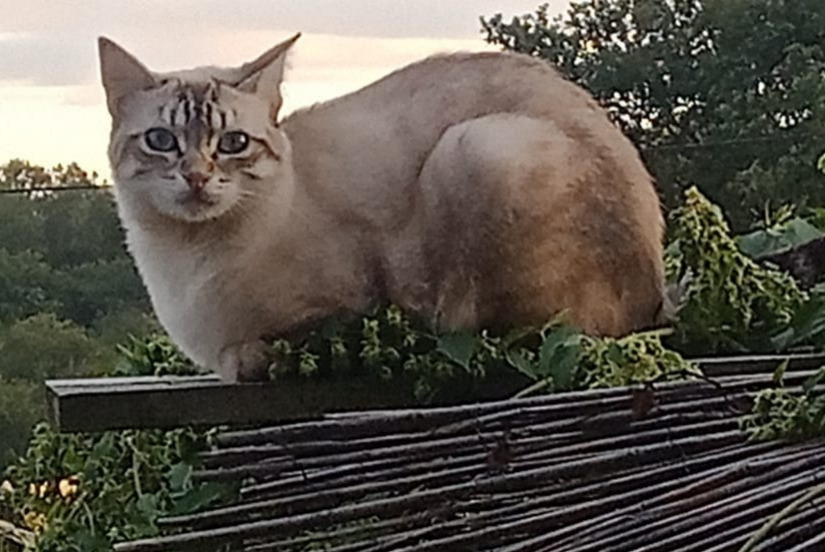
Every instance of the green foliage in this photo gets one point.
(388, 344)
(43, 347)
(776, 238)
(782, 414)
(68, 291)
(22, 405)
(153, 355)
(25, 281)
(732, 303)
(807, 326)
(728, 93)
(81, 493)
(62, 252)
(22, 175)
(638, 358)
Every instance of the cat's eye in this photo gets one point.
(160, 139)
(233, 142)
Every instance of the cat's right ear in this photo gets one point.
(264, 75)
(122, 74)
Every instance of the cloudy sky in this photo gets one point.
(51, 102)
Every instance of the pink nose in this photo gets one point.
(196, 180)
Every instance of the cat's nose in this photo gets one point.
(196, 180)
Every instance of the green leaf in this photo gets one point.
(779, 373)
(459, 347)
(810, 383)
(788, 235)
(179, 476)
(807, 324)
(199, 498)
(517, 358)
(558, 355)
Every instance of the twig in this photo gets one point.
(789, 510)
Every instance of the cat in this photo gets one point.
(476, 189)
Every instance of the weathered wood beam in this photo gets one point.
(166, 402)
(91, 405)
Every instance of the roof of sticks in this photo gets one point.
(663, 468)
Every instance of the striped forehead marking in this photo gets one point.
(197, 104)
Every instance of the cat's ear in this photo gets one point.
(122, 74)
(264, 75)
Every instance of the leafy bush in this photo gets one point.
(779, 413)
(731, 302)
(154, 355)
(80, 493)
(388, 344)
(22, 405)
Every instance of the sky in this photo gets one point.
(52, 105)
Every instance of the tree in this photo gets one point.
(25, 284)
(22, 405)
(62, 251)
(725, 94)
(43, 347)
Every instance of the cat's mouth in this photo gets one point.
(197, 199)
(197, 205)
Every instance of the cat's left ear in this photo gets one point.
(264, 75)
(122, 73)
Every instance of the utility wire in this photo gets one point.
(51, 189)
(674, 147)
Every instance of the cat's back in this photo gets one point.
(347, 150)
(448, 88)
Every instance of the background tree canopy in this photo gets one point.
(725, 94)
(68, 290)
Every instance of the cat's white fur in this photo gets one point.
(456, 187)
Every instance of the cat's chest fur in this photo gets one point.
(190, 289)
(216, 294)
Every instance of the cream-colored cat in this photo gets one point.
(476, 189)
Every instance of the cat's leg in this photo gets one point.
(248, 361)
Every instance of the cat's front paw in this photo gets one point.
(244, 362)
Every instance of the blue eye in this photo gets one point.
(233, 142)
(160, 139)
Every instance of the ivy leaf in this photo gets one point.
(459, 347)
(813, 381)
(779, 373)
(199, 498)
(518, 360)
(558, 356)
(179, 476)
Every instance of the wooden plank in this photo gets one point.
(107, 404)
(90, 405)
(121, 403)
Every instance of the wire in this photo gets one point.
(716, 143)
(674, 146)
(54, 189)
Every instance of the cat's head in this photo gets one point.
(195, 145)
